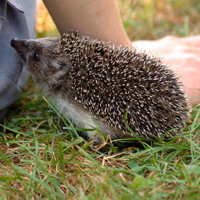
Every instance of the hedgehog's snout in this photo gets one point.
(14, 42)
(21, 46)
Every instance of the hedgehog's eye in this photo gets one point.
(36, 56)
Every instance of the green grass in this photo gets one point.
(39, 161)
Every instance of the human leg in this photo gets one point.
(96, 18)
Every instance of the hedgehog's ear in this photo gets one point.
(61, 66)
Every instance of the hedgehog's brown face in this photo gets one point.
(42, 58)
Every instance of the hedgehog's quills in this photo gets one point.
(91, 78)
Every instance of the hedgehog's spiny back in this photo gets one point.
(110, 80)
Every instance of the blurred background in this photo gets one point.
(143, 19)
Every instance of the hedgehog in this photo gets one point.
(117, 87)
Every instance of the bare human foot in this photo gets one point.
(183, 56)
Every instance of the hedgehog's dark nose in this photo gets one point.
(13, 42)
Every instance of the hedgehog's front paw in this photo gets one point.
(96, 139)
